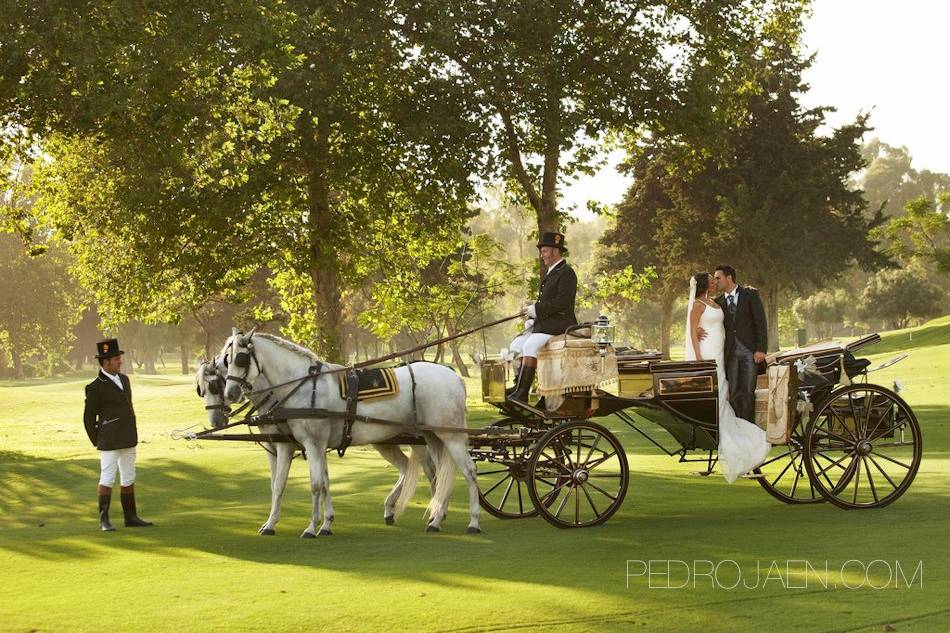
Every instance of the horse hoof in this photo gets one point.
(325, 533)
(473, 530)
(390, 520)
(308, 535)
(267, 532)
(432, 528)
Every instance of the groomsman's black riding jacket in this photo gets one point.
(109, 417)
(555, 306)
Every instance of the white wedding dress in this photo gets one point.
(742, 444)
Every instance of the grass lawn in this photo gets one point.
(203, 567)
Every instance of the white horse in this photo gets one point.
(210, 381)
(436, 401)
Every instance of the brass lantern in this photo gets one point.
(602, 332)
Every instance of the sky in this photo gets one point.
(879, 56)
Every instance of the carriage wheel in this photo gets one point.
(783, 473)
(502, 486)
(862, 447)
(578, 474)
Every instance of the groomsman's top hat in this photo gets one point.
(553, 239)
(107, 348)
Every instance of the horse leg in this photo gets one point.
(456, 450)
(394, 455)
(319, 490)
(280, 469)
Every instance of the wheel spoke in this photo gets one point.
(595, 464)
(857, 480)
(498, 483)
(775, 459)
(560, 508)
(888, 430)
(601, 490)
(782, 474)
(844, 425)
(798, 474)
(590, 501)
(504, 497)
(493, 472)
(883, 456)
(833, 463)
(577, 496)
(886, 476)
(830, 434)
(867, 470)
(591, 451)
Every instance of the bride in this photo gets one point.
(742, 444)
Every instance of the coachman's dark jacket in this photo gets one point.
(555, 306)
(749, 324)
(109, 417)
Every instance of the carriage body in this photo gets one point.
(835, 437)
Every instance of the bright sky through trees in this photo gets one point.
(872, 55)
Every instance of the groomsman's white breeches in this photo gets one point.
(123, 460)
(529, 344)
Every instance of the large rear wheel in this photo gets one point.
(862, 447)
(578, 475)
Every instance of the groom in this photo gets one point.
(746, 339)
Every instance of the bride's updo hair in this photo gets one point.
(702, 283)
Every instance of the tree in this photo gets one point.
(552, 79)
(304, 139)
(40, 303)
(899, 295)
(443, 298)
(825, 310)
(922, 233)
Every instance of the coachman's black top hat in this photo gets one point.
(107, 348)
(555, 240)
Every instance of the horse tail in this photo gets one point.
(409, 482)
(444, 479)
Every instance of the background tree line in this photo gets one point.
(363, 177)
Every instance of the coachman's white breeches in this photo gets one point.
(529, 344)
(122, 459)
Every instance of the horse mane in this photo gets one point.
(290, 346)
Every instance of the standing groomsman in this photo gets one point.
(110, 424)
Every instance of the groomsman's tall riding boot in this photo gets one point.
(104, 502)
(525, 379)
(128, 508)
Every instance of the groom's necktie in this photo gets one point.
(731, 305)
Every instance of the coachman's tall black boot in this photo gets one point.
(525, 379)
(104, 502)
(131, 516)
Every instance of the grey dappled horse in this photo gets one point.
(437, 401)
(210, 380)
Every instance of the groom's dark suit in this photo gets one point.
(746, 333)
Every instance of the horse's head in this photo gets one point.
(209, 382)
(242, 366)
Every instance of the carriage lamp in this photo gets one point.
(602, 333)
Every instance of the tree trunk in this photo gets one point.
(324, 270)
(666, 322)
(150, 364)
(456, 355)
(15, 357)
(183, 346)
(771, 314)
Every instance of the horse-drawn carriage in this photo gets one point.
(835, 436)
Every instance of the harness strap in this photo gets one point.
(352, 387)
(412, 379)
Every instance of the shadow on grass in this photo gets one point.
(214, 507)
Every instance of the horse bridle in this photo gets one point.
(242, 360)
(215, 386)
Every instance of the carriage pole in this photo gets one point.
(417, 348)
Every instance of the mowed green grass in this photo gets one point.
(203, 566)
